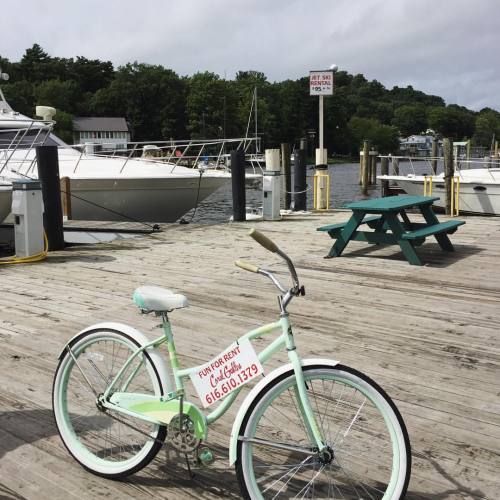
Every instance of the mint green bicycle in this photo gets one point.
(310, 429)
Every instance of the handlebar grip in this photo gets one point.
(246, 266)
(263, 240)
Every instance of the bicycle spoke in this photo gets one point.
(358, 460)
(93, 366)
(281, 446)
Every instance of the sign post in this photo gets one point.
(321, 84)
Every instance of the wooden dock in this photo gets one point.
(429, 335)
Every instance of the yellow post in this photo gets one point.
(455, 192)
(427, 185)
(321, 192)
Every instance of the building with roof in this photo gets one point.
(101, 133)
(418, 145)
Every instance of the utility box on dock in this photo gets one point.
(27, 209)
(271, 186)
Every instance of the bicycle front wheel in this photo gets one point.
(368, 447)
(105, 442)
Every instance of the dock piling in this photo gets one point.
(48, 173)
(449, 172)
(286, 171)
(384, 170)
(65, 187)
(366, 167)
(434, 154)
(238, 185)
(299, 180)
(395, 166)
(373, 166)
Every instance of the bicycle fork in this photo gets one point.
(304, 404)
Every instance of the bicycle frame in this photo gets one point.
(162, 410)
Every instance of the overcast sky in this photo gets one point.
(443, 47)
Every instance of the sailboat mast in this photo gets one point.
(257, 148)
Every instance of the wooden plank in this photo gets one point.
(341, 225)
(429, 336)
(442, 227)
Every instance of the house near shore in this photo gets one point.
(101, 133)
(418, 146)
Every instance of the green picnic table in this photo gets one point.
(392, 226)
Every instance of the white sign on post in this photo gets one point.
(228, 371)
(321, 83)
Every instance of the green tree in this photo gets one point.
(19, 95)
(151, 98)
(62, 95)
(384, 137)
(205, 105)
(452, 121)
(64, 126)
(487, 126)
(91, 74)
(410, 119)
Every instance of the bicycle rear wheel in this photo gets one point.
(105, 442)
(369, 451)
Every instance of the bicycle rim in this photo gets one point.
(109, 443)
(366, 435)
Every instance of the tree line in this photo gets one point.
(159, 104)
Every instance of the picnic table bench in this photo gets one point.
(392, 225)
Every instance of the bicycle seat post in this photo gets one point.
(172, 353)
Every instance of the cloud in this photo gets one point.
(442, 48)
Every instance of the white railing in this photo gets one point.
(212, 153)
(404, 165)
(18, 140)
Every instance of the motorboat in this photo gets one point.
(478, 188)
(124, 186)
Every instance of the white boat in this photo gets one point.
(479, 188)
(108, 187)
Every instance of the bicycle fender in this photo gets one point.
(235, 432)
(141, 339)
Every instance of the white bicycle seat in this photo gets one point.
(157, 299)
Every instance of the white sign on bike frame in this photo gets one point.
(228, 371)
(321, 83)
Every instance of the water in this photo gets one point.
(344, 187)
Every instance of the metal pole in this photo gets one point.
(321, 123)
(256, 131)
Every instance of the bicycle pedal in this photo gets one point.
(206, 456)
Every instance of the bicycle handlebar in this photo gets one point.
(263, 240)
(272, 247)
(246, 266)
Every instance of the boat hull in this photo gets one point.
(151, 200)
(479, 191)
(146, 200)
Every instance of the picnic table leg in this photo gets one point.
(406, 220)
(442, 238)
(346, 234)
(398, 230)
(380, 227)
